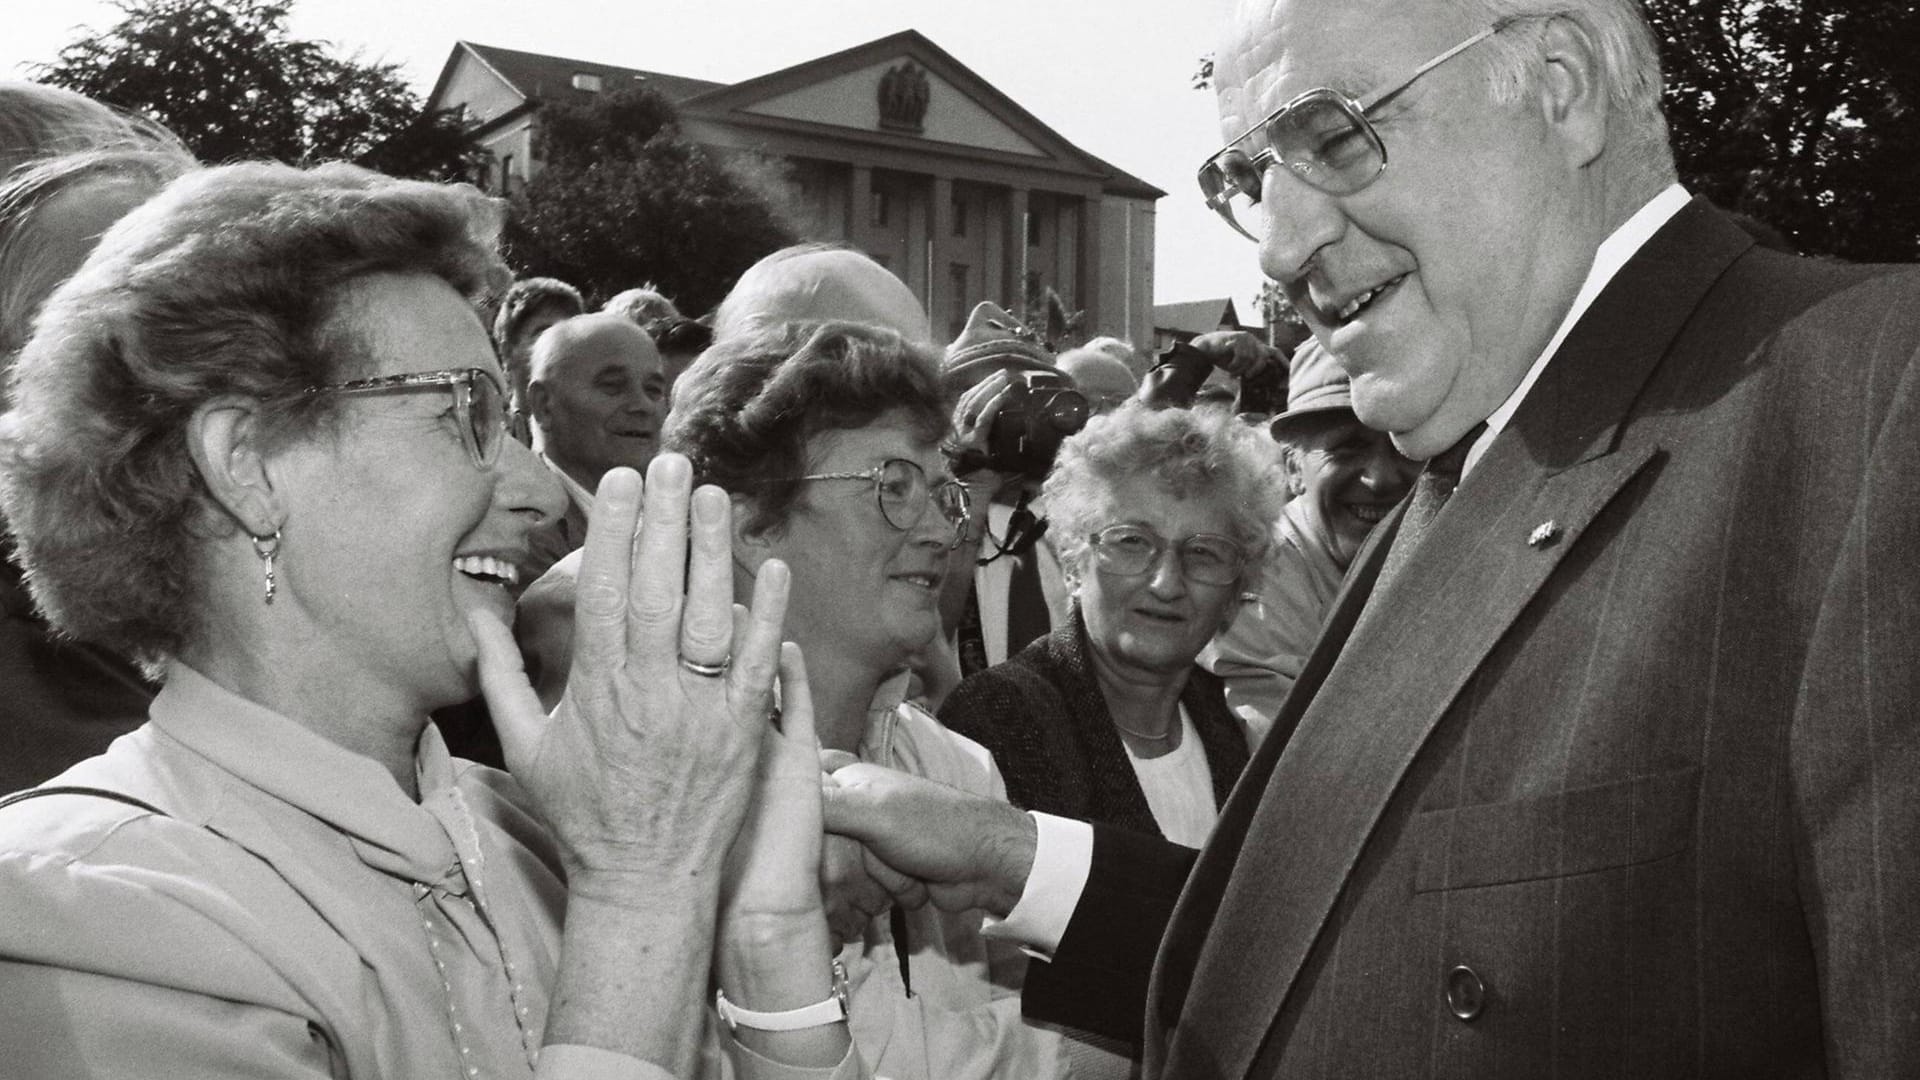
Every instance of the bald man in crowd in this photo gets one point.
(596, 393)
(1105, 379)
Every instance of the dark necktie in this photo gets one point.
(1430, 493)
(1027, 615)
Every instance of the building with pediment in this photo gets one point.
(892, 147)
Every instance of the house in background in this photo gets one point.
(894, 148)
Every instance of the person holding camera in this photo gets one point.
(1015, 407)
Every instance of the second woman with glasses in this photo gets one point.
(828, 438)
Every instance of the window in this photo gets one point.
(959, 215)
(959, 306)
(506, 175)
(882, 215)
(586, 81)
(1033, 229)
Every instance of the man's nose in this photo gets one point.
(1301, 221)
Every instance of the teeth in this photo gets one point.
(925, 581)
(1370, 514)
(487, 566)
(1353, 306)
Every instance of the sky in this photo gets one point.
(1113, 77)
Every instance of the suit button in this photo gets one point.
(1466, 994)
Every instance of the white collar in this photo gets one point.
(1612, 254)
(576, 492)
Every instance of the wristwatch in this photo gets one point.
(831, 1011)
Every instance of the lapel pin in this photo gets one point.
(1546, 533)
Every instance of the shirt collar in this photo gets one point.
(291, 764)
(581, 498)
(1612, 254)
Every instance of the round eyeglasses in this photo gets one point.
(479, 406)
(1204, 558)
(904, 493)
(1323, 137)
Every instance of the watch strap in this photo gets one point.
(830, 1011)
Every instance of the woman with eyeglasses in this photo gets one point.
(259, 443)
(1162, 518)
(828, 437)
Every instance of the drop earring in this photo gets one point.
(267, 547)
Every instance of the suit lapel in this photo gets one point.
(1298, 821)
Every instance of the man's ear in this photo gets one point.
(1573, 88)
(224, 439)
(1296, 477)
(540, 404)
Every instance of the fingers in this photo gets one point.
(706, 623)
(796, 697)
(657, 570)
(600, 592)
(835, 760)
(517, 715)
(757, 652)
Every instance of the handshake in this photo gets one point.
(898, 839)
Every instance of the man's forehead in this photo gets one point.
(1278, 49)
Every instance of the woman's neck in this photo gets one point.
(843, 690)
(1142, 703)
(331, 708)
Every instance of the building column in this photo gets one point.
(938, 255)
(1016, 247)
(859, 206)
(1091, 268)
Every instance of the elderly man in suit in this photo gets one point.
(1608, 761)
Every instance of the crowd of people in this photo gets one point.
(413, 671)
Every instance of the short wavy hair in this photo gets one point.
(227, 282)
(526, 298)
(748, 410)
(1189, 453)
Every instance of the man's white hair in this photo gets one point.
(1628, 53)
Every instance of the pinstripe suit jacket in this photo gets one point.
(1634, 739)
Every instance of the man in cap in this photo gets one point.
(1344, 477)
(1607, 760)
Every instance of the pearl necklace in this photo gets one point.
(478, 900)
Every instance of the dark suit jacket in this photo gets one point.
(1621, 776)
(1042, 715)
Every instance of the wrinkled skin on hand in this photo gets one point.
(967, 851)
(646, 768)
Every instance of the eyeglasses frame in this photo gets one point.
(1355, 108)
(460, 381)
(873, 475)
(1179, 548)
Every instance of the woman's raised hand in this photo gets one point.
(648, 764)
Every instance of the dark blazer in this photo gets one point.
(1621, 775)
(1043, 716)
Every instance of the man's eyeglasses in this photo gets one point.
(479, 407)
(1323, 137)
(904, 493)
(1204, 558)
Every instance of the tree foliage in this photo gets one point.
(1802, 113)
(622, 197)
(228, 78)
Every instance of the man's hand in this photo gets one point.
(1240, 352)
(969, 851)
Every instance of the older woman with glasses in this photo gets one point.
(1163, 519)
(259, 443)
(828, 438)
